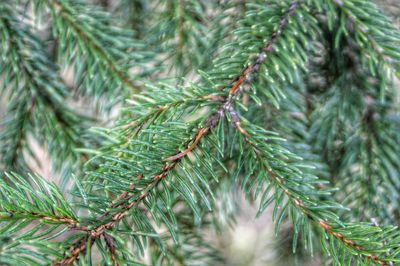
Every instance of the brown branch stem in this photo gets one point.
(55, 219)
(111, 247)
(329, 229)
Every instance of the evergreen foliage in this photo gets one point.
(37, 98)
(292, 102)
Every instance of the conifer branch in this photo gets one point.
(304, 207)
(245, 77)
(318, 219)
(374, 31)
(31, 205)
(125, 204)
(84, 36)
(160, 166)
(37, 97)
(278, 180)
(180, 34)
(212, 121)
(358, 156)
(102, 64)
(38, 216)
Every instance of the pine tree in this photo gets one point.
(293, 103)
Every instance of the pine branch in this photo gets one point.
(125, 206)
(373, 148)
(26, 252)
(278, 180)
(283, 177)
(102, 64)
(338, 130)
(245, 77)
(13, 138)
(21, 201)
(181, 34)
(211, 122)
(171, 148)
(36, 210)
(37, 98)
(374, 34)
(294, 199)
